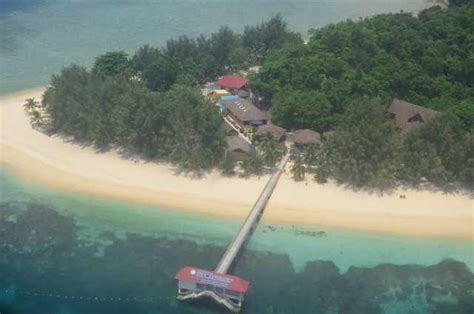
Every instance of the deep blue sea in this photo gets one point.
(67, 253)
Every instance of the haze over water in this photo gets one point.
(38, 37)
(71, 253)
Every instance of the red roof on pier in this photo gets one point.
(232, 81)
(206, 277)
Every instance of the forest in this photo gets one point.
(340, 83)
(343, 80)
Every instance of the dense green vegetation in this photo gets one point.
(342, 80)
(427, 60)
(178, 125)
(149, 103)
(205, 58)
(348, 73)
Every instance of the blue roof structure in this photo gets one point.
(229, 97)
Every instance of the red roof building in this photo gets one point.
(225, 289)
(206, 277)
(232, 81)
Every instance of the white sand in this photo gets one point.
(53, 162)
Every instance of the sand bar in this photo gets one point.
(54, 162)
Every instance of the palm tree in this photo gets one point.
(36, 119)
(270, 152)
(310, 154)
(298, 168)
(32, 108)
(228, 164)
(30, 105)
(253, 165)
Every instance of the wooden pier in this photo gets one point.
(251, 220)
(194, 283)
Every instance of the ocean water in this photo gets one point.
(71, 253)
(38, 37)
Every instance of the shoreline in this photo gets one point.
(53, 162)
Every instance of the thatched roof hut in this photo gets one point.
(306, 137)
(408, 115)
(240, 148)
(270, 129)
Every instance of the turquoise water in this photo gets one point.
(111, 250)
(38, 37)
(300, 243)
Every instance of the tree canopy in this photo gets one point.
(179, 125)
(112, 63)
(343, 79)
(426, 59)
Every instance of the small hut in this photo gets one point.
(305, 137)
(408, 115)
(273, 130)
(239, 148)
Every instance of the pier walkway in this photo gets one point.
(228, 290)
(252, 219)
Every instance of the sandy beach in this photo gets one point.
(54, 162)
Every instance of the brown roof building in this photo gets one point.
(240, 148)
(306, 137)
(407, 115)
(245, 112)
(270, 129)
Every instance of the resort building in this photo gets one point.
(232, 83)
(408, 115)
(305, 137)
(273, 130)
(244, 113)
(227, 289)
(239, 148)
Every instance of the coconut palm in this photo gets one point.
(270, 152)
(32, 108)
(297, 168)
